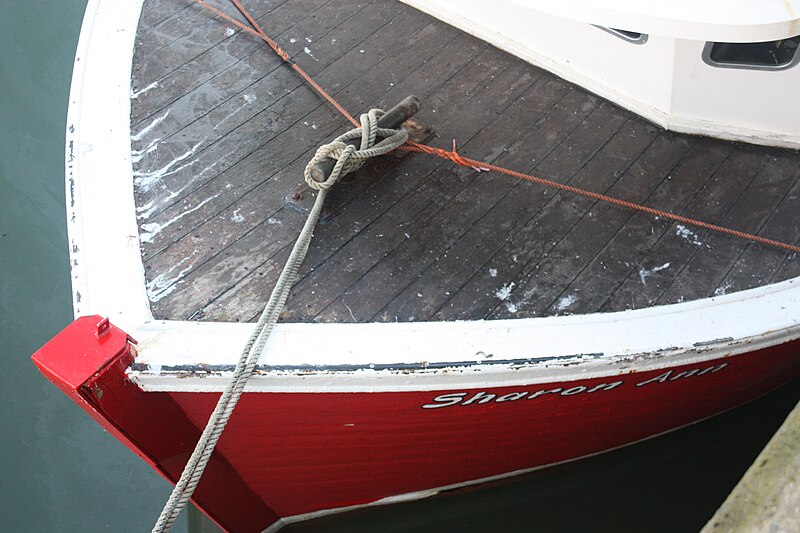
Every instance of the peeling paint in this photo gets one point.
(137, 155)
(153, 124)
(505, 291)
(687, 234)
(137, 94)
(164, 284)
(147, 179)
(152, 228)
(644, 274)
(566, 301)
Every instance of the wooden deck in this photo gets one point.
(221, 131)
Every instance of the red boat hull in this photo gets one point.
(288, 454)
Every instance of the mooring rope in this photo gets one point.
(348, 159)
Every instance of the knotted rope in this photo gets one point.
(348, 160)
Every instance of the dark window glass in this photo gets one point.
(767, 54)
(630, 36)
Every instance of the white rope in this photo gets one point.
(348, 159)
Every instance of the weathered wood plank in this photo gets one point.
(222, 129)
(397, 182)
(156, 11)
(222, 135)
(186, 16)
(790, 267)
(621, 256)
(565, 211)
(432, 288)
(758, 264)
(532, 242)
(415, 209)
(703, 274)
(299, 117)
(651, 278)
(247, 77)
(545, 277)
(328, 257)
(189, 62)
(264, 200)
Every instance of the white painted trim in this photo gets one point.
(106, 265)
(561, 348)
(108, 274)
(705, 20)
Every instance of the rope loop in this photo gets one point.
(348, 157)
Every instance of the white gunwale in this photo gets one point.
(710, 20)
(108, 279)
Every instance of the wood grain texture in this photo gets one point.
(221, 130)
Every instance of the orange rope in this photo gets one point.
(258, 32)
(480, 166)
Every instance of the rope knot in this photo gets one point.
(456, 158)
(348, 157)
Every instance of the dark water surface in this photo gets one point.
(61, 472)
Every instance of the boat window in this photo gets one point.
(770, 55)
(630, 36)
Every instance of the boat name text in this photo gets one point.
(482, 397)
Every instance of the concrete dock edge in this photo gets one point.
(767, 498)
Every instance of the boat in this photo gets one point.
(450, 326)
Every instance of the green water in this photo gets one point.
(61, 472)
(58, 470)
